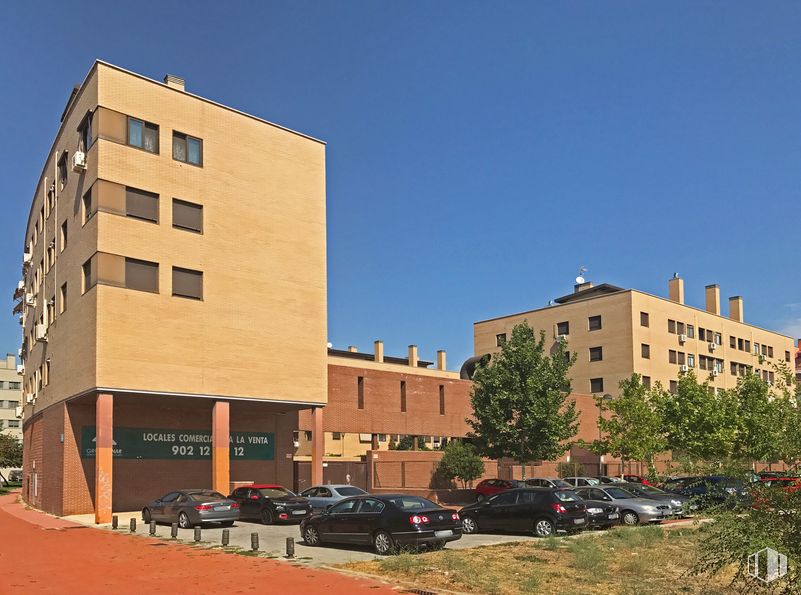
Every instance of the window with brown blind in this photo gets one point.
(141, 204)
(403, 396)
(187, 283)
(187, 215)
(441, 399)
(141, 275)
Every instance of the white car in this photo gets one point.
(323, 496)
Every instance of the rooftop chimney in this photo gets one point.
(441, 360)
(736, 308)
(176, 82)
(413, 356)
(582, 286)
(11, 361)
(713, 299)
(378, 348)
(676, 289)
(353, 349)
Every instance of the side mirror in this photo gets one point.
(327, 508)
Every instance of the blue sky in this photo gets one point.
(478, 153)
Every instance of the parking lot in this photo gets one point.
(272, 539)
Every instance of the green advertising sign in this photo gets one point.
(159, 443)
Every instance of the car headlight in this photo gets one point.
(594, 510)
(676, 503)
(279, 508)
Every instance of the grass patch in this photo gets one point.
(588, 556)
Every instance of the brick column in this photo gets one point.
(221, 447)
(318, 445)
(104, 444)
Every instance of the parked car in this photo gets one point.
(601, 514)
(490, 487)
(680, 505)
(384, 521)
(630, 478)
(582, 481)
(761, 497)
(710, 490)
(633, 510)
(192, 507)
(323, 496)
(610, 479)
(271, 504)
(788, 484)
(544, 511)
(547, 482)
(15, 475)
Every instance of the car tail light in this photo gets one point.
(283, 516)
(418, 519)
(203, 507)
(235, 505)
(559, 508)
(455, 516)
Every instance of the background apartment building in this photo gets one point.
(617, 332)
(173, 299)
(10, 397)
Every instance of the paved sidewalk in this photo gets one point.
(42, 554)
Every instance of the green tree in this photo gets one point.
(632, 428)
(461, 461)
(760, 421)
(10, 452)
(520, 400)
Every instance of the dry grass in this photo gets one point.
(639, 560)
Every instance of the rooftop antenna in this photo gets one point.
(580, 278)
(675, 275)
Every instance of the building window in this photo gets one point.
(680, 328)
(691, 360)
(718, 339)
(645, 351)
(63, 238)
(690, 331)
(733, 368)
(88, 280)
(86, 207)
(141, 275)
(336, 435)
(62, 301)
(732, 342)
(681, 358)
(187, 149)
(646, 381)
(15, 386)
(140, 204)
(360, 392)
(674, 387)
(672, 356)
(644, 319)
(500, 339)
(403, 396)
(562, 328)
(596, 385)
(787, 356)
(46, 372)
(594, 323)
(441, 399)
(85, 132)
(187, 215)
(187, 283)
(701, 334)
(672, 326)
(770, 351)
(62, 170)
(13, 423)
(596, 354)
(143, 135)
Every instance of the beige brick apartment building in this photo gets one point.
(174, 292)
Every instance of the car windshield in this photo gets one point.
(275, 492)
(560, 483)
(412, 502)
(350, 491)
(646, 489)
(567, 496)
(201, 496)
(619, 494)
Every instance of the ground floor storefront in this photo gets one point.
(116, 452)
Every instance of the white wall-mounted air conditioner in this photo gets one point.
(26, 257)
(18, 411)
(561, 337)
(29, 398)
(78, 161)
(713, 346)
(682, 338)
(41, 332)
(20, 369)
(684, 368)
(715, 373)
(30, 299)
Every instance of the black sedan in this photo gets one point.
(544, 511)
(386, 522)
(601, 515)
(270, 504)
(192, 507)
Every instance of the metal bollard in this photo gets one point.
(174, 531)
(115, 521)
(152, 527)
(133, 525)
(197, 533)
(254, 542)
(225, 537)
(290, 547)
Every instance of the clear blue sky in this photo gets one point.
(478, 153)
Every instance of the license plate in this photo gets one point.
(298, 512)
(614, 515)
(447, 533)
(219, 508)
(578, 521)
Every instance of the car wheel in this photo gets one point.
(227, 524)
(267, 516)
(383, 543)
(544, 528)
(183, 521)
(480, 498)
(630, 518)
(469, 525)
(146, 518)
(311, 536)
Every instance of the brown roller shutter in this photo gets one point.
(141, 204)
(141, 275)
(187, 283)
(187, 215)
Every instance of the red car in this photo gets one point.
(636, 479)
(787, 484)
(490, 487)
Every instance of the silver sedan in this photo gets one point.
(323, 496)
(192, 507)
(633, 510)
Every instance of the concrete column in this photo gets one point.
(441, 361)
(736, 308)
(413, 357)
(676, 290)
(104, 444)
(318, 446)
(713, 299)
(378, 346)
(221, 447)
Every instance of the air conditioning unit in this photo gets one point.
(682, 338)
(714, 373)
(295, 443)
(29, 398)
(21, 285)
(26, 258)
(761, 359)
(41, 333)
(684, 368)
(713, 346)
(561, 337)
(770, 382)
(78, 161)
(20, 369)
(18, 411)
(30, 299)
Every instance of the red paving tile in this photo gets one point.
(38, 557)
